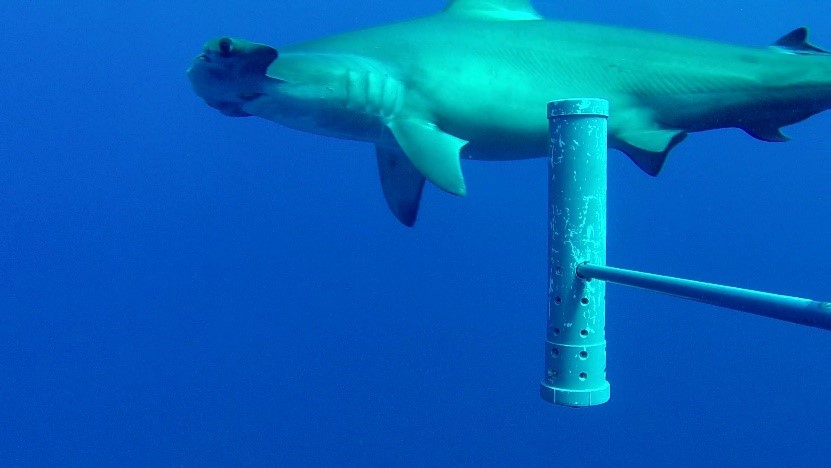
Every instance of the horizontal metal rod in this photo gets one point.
(790, 309)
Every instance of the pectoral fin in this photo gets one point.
(645, 141)
(434, 153)
(401, 182)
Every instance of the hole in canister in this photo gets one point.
(556, 331)
(583, 376)
(584, 301)
(558, 300)
(555, 352)
(584, 333)
(584, 354)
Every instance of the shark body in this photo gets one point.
(473, 82)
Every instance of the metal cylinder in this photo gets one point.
(575, 346)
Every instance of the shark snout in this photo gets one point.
(234, 58)
(229, 73)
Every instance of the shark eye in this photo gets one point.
(224, 47)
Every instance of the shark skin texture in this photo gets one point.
(479, 88)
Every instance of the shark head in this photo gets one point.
(330, 93)
(340, 95)
(231, 73)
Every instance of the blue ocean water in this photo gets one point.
(182, 288)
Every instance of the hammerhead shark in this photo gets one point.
(473, 82)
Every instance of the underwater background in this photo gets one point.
(182, 288)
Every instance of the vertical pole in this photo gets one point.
(575, 346)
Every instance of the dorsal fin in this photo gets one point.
(498, 10)
(796, 42)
